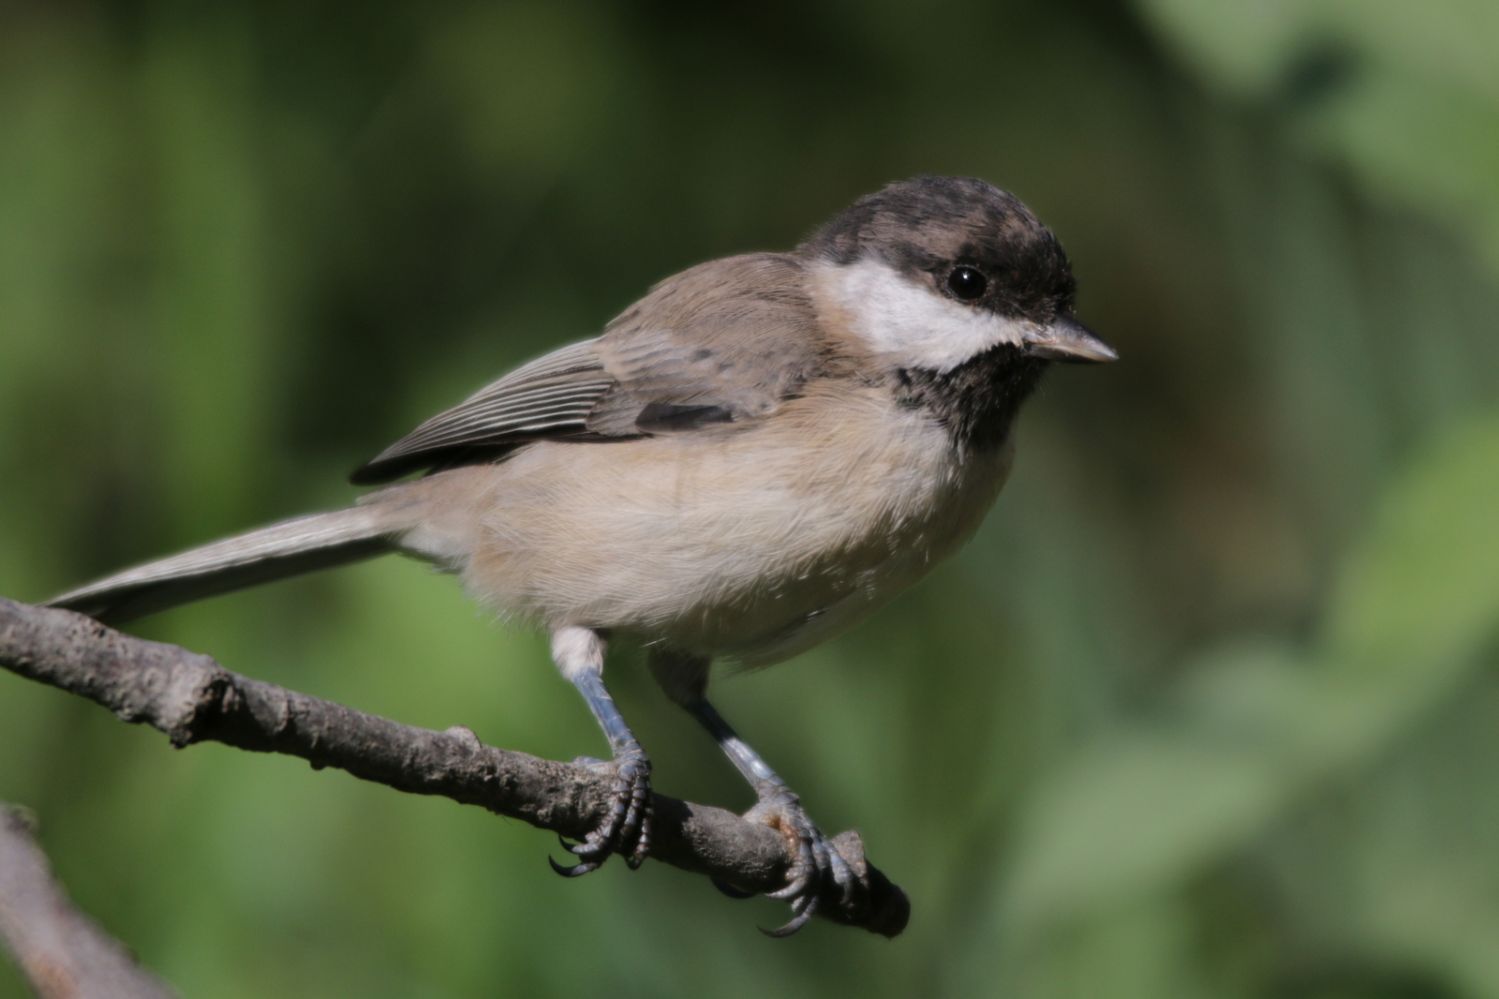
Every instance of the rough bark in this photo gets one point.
(192, 698)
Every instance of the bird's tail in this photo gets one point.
(288, 548)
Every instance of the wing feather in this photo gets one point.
(551, 396)
(724, 342)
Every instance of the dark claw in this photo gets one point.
(626, 829)
(576, 870)
(585, 848)
(802, 871)
(588, 849)
(803, 909)
(849, 887)
(819, 871)
(636, 857)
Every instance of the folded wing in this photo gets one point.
(725, 342)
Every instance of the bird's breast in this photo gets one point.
(757, 541)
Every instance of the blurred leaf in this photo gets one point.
(1423, 586)
(1253, 730)
(1431, 902)
(1408, 100)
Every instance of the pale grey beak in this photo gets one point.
(1066, 339)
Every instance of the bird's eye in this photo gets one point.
(966, 283)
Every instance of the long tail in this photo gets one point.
(288, 548)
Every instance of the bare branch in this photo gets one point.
(192, 699)
(60, 950)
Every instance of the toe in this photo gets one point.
(818, 872)
(625, 829)
(576, 870)
(802, 911)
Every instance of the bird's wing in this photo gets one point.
(724, 342)
(549, 397)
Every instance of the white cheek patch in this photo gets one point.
(912, 324)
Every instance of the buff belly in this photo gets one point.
(753, 544)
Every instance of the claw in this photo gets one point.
(793, 889)
(818, 872)
(587, 847)
(576, 870)
(637, 856)
(803, 909)
(626, 827)
(583, 848)
(849, 887)
(800, 876)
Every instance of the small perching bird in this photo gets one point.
(752, 457)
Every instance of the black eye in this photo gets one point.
(966, 283)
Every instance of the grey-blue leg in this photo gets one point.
(819, 867)
(626, 830)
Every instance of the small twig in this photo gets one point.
(61, 951)
(193, 699)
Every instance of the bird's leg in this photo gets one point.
(819, 869)
(626, 830)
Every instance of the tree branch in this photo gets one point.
(193, 699)
(59, 949)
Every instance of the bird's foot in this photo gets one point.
(626, 829)
(819, 875)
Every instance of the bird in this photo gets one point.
(758, 453)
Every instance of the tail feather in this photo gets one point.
(287, 548)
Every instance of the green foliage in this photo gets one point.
(1405, 97)
(1208, 707)
(1257, 729)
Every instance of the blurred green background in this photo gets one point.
(1208, 708)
